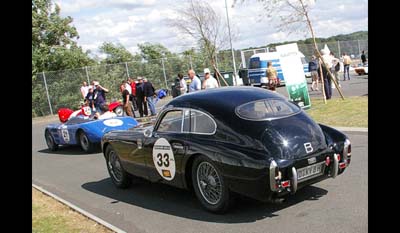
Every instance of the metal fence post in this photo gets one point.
(338, 45)
(165, 77)
(47, 93)
(243, 59)
(359, 49)
(87, 75)
(190, 58)
(127, 70)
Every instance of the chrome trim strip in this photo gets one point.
(293, 188)
(272, 182)
(345, 148)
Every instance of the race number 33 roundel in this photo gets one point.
(163, 159)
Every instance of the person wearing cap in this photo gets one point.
(149, 91)
(195, 84)
(142, 106)
(209, 80)
(99, 95)
(328, 61)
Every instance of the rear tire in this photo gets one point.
(85, 143)
(209, 185)
(119, 176)
(51, 144)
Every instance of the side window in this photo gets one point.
(201, 123)
(172, 122)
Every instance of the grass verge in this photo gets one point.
(351, 112)
(49, 215)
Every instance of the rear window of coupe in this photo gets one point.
(266, 109)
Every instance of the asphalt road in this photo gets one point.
(333, 205)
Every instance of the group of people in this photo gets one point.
(94, 96)
(195, 84)
(140, 95)
(333, 64)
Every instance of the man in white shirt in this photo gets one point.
(182, 84)
(84, 89)
(195, 85)
(209, 81)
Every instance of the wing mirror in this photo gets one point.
(148, 133)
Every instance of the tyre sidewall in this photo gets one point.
(224, 202)
(125, 179)
(90, 145)
(53, 146)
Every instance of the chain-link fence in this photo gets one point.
(55, 89)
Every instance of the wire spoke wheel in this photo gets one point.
(209, 182)
(114, 166)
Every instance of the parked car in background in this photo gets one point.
(361, 69)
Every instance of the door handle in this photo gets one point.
(177, 146)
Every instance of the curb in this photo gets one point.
(81, 211)
(351, 129)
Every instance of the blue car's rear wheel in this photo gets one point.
(118, 175)
(85, 143)
(51, 144)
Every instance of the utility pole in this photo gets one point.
(230, 41)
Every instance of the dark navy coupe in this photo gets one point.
(242, 140)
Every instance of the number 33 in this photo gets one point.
(160, 161)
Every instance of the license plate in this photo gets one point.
(310, 171)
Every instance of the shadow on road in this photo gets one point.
(67, 150)
(182, 203)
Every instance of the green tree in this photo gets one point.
(54, 48)
(115, 53)
(53, 40)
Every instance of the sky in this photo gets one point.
(131, 22)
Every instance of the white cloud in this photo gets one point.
(130, 22)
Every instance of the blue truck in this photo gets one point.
(258, 67)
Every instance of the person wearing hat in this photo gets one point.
(195, 84)
(99, 95)
(209, 80)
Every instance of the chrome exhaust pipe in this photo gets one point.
(272, 182)
(293, 187)
(335, 165)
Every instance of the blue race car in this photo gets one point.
(83, 131)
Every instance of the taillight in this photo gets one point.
(285, 184)
(338, 157)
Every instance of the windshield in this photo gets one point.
(267, 109)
